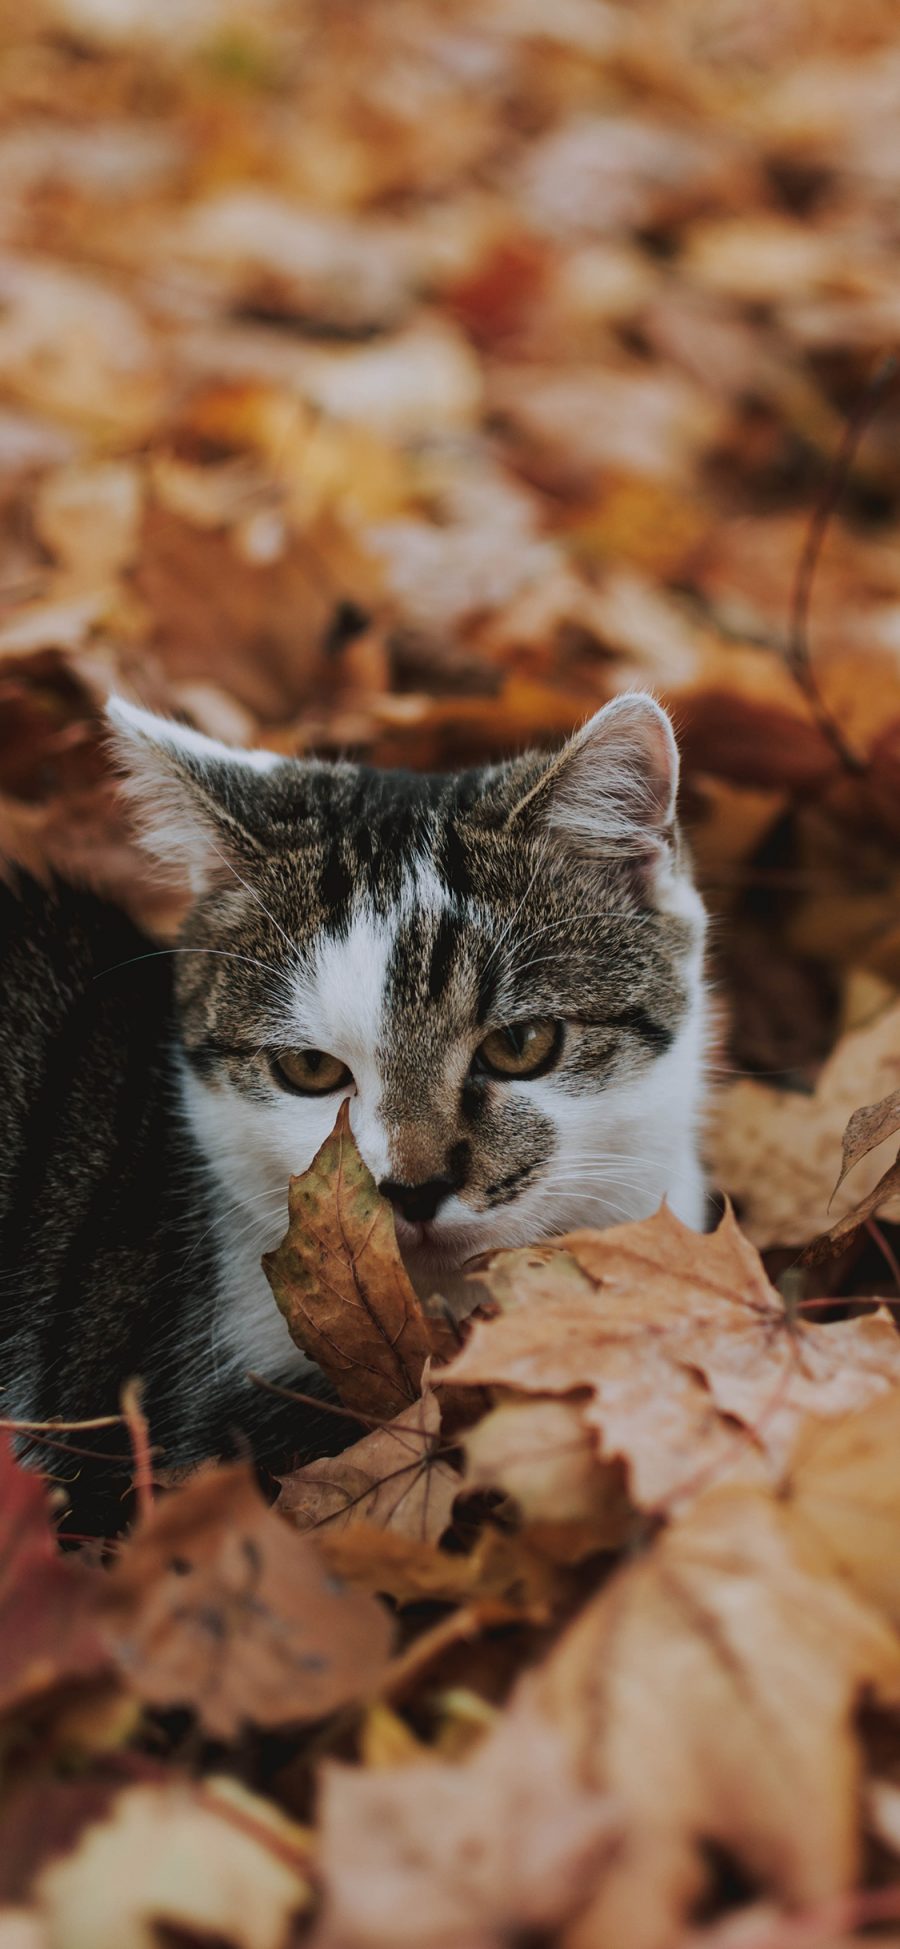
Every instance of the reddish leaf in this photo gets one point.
(49, 1603)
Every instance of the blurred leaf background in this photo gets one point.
(402, 381)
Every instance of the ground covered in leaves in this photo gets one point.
(404, 380)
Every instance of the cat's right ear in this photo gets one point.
(197, 803)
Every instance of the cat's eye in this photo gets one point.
(311, 1072)
(520, 1048)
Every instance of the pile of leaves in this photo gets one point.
(571, 1645)
(404, 381)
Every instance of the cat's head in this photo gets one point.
(500, 968)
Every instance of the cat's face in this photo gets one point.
(500, 970)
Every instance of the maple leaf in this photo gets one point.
(49, 1603)
(340, 1282)
(542, 1454)
(692, 1368)
(709, 1690)
(392, 1478)
(842, 1489)
(217, 1604)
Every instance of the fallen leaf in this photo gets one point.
(842, 1490)
(775, 1151)
(217, 1604)
(499, 1569)
(867, 1128)
(340, 1282)
(207, 1859)
(833, 1241)
(89, 516)
(392, 1479)
(693, 1371)
(354, 276)
(72, 346)
(709, 1691)
(543, 1455)
(505, 1844)
(50, 1636)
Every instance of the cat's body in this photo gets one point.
(502, 970)
(109, 1261)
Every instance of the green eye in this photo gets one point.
(309, 1072)
(520, 1048)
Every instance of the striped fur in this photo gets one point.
(392, 920)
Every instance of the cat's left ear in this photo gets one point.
(610, 792)
(201, 808)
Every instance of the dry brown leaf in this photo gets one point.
(843, 1492)
(500, 1569)
(542, 1454)
(217, 1604)
(49, 1629)
(776, 1151)
(888, 1187)
(867, 1128)
(471, 1856)
(347, 274)
(709, 1691)
(392, 1479)
(89, 516)
(208, 1860)
(402, 383)
(340, 1282)
(19, 1929)
(695, 1373)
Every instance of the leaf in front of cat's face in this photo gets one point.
(218, 1605)
(49, 1633)
(340, 1282)
(693, 1369)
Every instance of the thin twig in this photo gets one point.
(313, 1401)
(798, 655)
(139, 1434)
(63, 1427)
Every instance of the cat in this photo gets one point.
(501, 969)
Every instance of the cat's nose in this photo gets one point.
(417, 1202)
